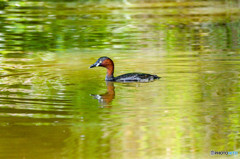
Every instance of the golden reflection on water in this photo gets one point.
(191, 110)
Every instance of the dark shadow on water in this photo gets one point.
(106, 98)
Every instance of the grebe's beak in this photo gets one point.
(92, 66)
(95, 65)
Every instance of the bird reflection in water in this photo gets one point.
(106, 98)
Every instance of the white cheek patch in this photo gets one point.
(98, 63)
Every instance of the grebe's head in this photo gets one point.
(103, 62)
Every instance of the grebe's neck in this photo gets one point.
(110, 71)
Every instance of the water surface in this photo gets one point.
(53, 106)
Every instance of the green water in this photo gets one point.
(48, 105)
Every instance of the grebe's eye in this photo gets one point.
(99, 63)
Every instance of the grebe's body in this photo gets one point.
(129, 77)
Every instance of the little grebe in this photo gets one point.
(129, 77)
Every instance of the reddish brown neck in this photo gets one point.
(109, 65)
(110, 70)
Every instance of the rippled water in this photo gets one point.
(53, 106)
